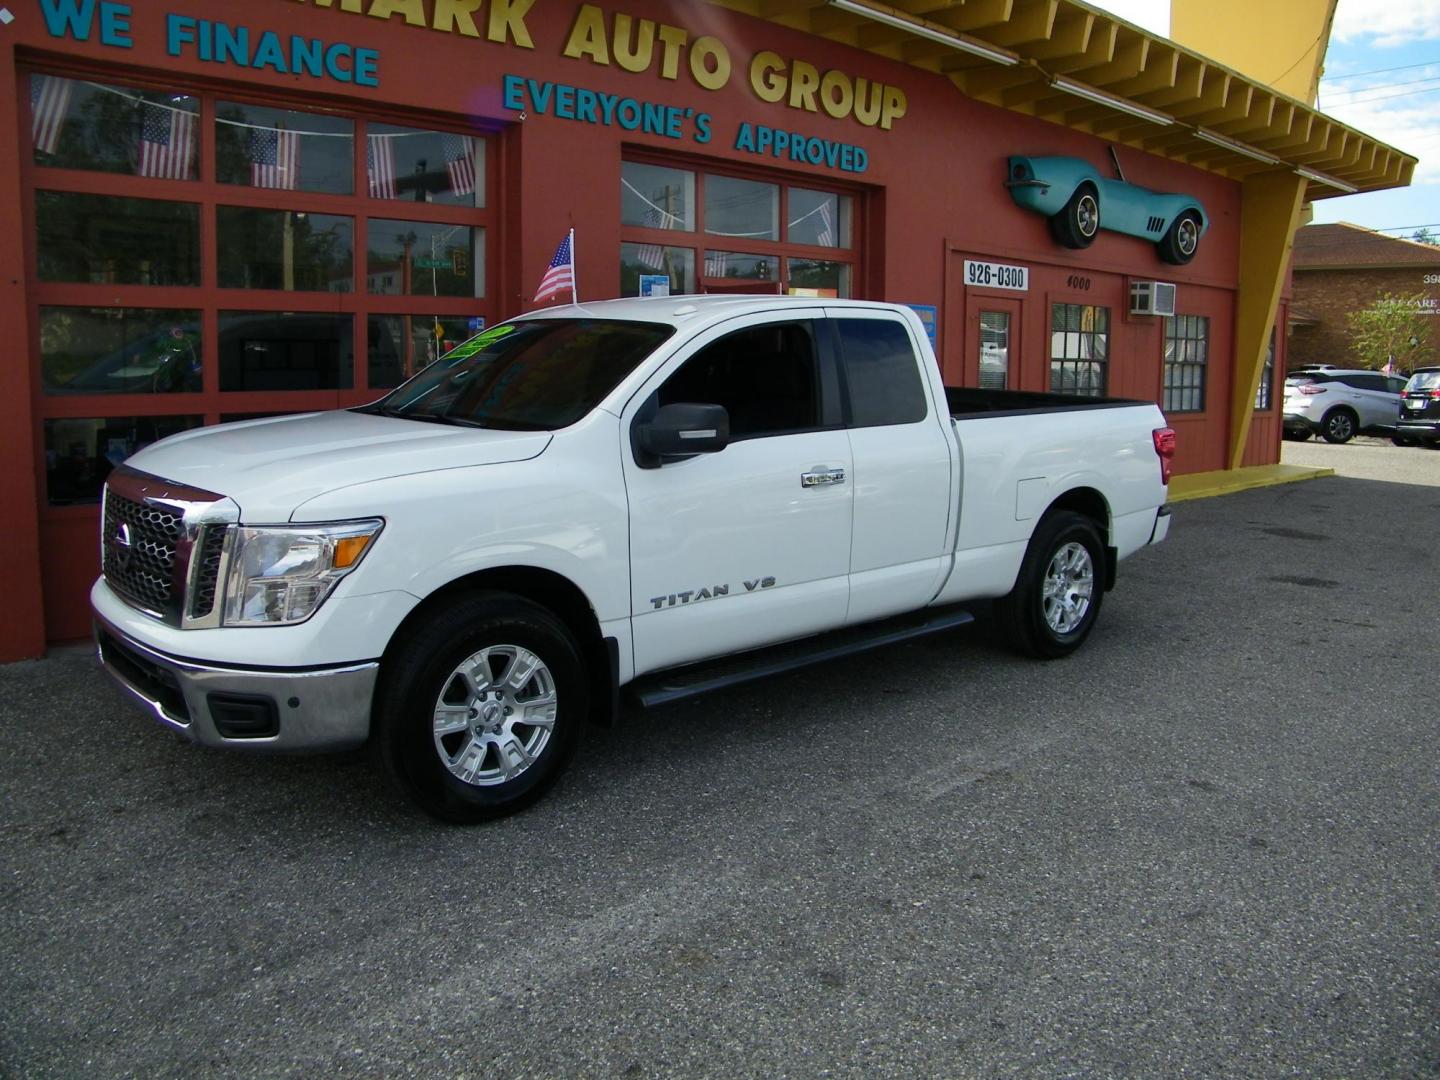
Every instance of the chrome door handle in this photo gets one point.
(822, 478)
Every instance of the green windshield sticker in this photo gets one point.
(479, 343)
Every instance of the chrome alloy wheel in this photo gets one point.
(1069, 584)
(1187, 236)
(494, 715)
(1087, 215)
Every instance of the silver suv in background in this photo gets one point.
(1340, 403)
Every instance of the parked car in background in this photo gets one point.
(1340, 403)
(1420, 409)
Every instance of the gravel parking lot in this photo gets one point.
(1205, 846)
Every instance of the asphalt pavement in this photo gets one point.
(1205, 846)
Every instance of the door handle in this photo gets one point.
(822, 478)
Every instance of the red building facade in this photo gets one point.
(224, 211)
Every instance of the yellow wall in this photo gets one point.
(1277, 42)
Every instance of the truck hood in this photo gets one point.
(270, 467)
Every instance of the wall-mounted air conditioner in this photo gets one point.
(1152, 298)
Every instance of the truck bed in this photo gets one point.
(970, 401)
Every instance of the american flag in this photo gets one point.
(460, 163)
(274, 158)
(380, 165)
(826, 236)
(716, 263)
(49, 102)
(167, 142)
(560, 274)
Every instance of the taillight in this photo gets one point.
(1435, 395)
(1164, 447)
(1311, 388)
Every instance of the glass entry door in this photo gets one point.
(992, 342)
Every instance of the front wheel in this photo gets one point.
(1180, 242)
(1057, 596)
(1078, 221)
(1339, 426)
(480, 707)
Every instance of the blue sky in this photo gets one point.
(1399, 42)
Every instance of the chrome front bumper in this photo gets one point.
(276, 709)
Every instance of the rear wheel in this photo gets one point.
(1339, 426)
(480, 708)
(1056, 598)
(1075, 226)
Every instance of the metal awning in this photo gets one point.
(1067, 62)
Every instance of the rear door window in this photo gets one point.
(882, 378)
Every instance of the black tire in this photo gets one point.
(421, 677)
(1026, 615)
(1077, 224)
(1404, 440)
(1298, 436)
(1339, 426)
(1180, 242)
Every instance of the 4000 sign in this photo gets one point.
(997, 275)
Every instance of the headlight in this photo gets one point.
(280, 574)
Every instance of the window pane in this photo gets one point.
(994, 349)
(765, 377)
(87, 125)
(263, 147)
(284, 249)
(740, 267)
(742, 208)
(79, 454)
(119, 350)
(281, 350)
(676, 263)
(401, 345)
(425, 166)
(881, 378)
(1079, 344)
(422, 258)
(816, 277)
(654, 197)
(818, 217)
(106, 240)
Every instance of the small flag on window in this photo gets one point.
(460, 163)
(560, 274)
(167, 141)
(274, 158)
(49, 102)
(380, 166)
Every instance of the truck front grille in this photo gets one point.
(162, 546)
(139, 552)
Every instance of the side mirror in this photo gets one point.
(683, 430)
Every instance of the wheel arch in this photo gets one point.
(556, 594)
(1089, 502)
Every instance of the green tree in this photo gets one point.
(1391, 329)
(1424, 236)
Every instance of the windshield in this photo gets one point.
(535, 375)
(1424, 380)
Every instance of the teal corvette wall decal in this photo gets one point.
(1080, 202)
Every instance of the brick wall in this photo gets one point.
(1330, 295)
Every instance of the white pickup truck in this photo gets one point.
(662, 495)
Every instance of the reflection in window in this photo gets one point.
(882, 383)
(79, 453)
(819, 218)
(87, 125)
(119, 350)
(1079, 348)
(765, 377)
(263, 147)
(401, 345)
(742, 208)
(106, 240)
(994, 349)
(284, 249)
(281, 350)
(819, 277)
(733, 265)
(1267, 376)
(425, 166)
(424, 258)
(654, 197)
(676, 264)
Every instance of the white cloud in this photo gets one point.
(1388, 24)
(1407, 121)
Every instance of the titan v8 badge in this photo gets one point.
(691, 596)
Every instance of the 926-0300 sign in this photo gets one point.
(997, 275)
